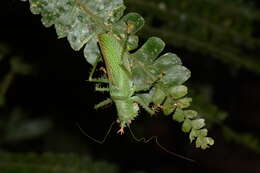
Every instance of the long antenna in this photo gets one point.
(96, 140)
(144, 140)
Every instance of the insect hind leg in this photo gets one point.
(143, 104)
(103, 103)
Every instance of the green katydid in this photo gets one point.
(135, 79)
(121, 85)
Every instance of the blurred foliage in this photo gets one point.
(202, 96)
(4, 51)
(52, 163)
(17, 125)
(19, 128)
(249, 140)
(216, 117)
(17, 67)
(216, 28)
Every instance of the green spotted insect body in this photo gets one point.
(121, 86)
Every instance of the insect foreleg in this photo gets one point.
(99, 80)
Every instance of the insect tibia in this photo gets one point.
(101, 89)
(98, 80)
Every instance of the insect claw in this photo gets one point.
(121, 131)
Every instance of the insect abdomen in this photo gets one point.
(127, 111)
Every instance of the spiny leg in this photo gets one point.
(103, 103)
(101, 89)
(91, 79)
(143, 104)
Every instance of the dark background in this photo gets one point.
(218, 41)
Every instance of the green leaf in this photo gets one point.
(142, 80)
(168, 106)
(79, 20)
(198, 123)
(126, 27)
(202, 132)
(186, 126)
(166, 69)
(132, 22)
(184, 102)
(91, 51)
(143, 71)
(167, 59)
(171, 67)
(178, 91)
(178, 115)
(158, 96)
(193, 134)
(204, 142)
(175, 75)
(190, 114)
(132, 42)
(150, 50)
